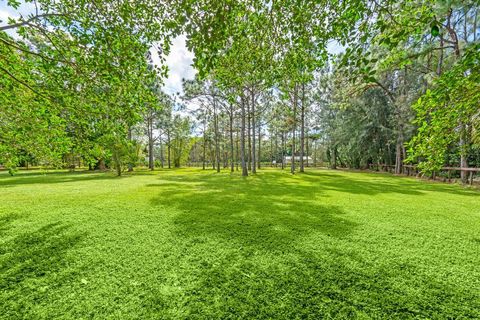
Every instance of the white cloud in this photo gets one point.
(179, 63)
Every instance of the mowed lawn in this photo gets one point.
(193, 244)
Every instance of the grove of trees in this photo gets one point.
(78, 84)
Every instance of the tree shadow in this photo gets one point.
(262, 268)
(33, 263)
(56, 178)
(7, 220)
(315, 285)
(382, 184)
(257, 213)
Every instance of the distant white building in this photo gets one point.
(288, 159)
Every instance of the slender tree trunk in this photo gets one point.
(307, 147)
(475, 26)
(237, 152)
(162, 158)
(259, 159)
(249, 138)
(217, 146)
(130, 165)
(463, 154)
(292, 167)
(440, 57)
(302, 132)
(254, 160)
(283, 149)
(204, 158)
(271, 148)
(242, 141)
(168, 150)
(118, 163)
(151, 163)
(276, 149)
(333, 157)
(398, 154)
(232, 169)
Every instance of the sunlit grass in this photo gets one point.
(193, 244)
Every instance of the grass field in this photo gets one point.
(188, 244)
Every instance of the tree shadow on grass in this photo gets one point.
(56, 177)
(6, 220)
(31, 264)
(383, 183)
(244, 254)
(311, 285)
(255, 213)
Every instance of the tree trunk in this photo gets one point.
(307, 148)
(259, 159)
(475, 26)
(254, 160)
(440, 57)
(333, 157)
(302, 132)
(118, 164)
(242, 141)
(217, 147)
(249, 153)
(237, 152)
(398, 155)
(276, 149)
(168, 150)
(283, 150)
(151, 163)
(162, 159)
(130, 165)
(271, 148)
(292, 167)
(463, 154)
(232, 168)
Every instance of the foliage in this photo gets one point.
(442, 112)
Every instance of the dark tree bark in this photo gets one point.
(333, 157)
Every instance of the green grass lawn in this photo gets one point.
(188, 244)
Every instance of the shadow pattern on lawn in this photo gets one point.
(261, 268)
(31, 264)
(56, 177)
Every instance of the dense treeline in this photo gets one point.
(78, 84)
